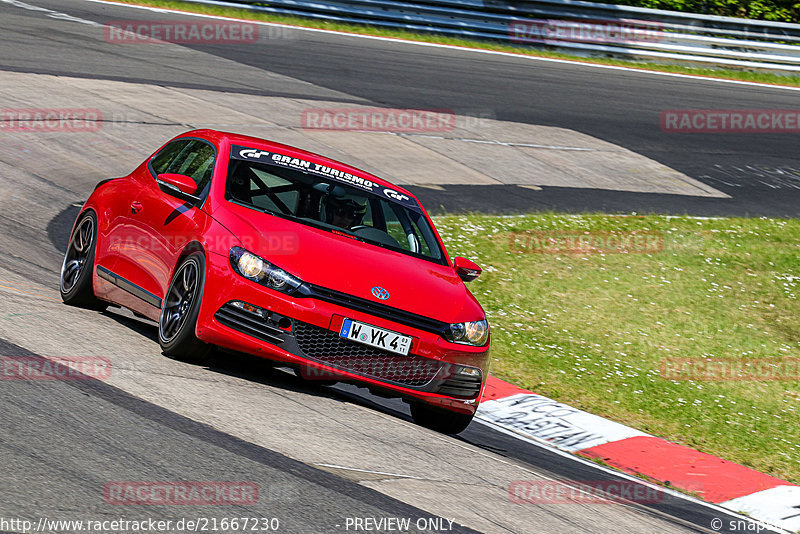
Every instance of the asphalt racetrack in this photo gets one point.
(325, 459)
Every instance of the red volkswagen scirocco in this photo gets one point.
(259, 247)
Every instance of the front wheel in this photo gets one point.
(180, 309)
(76, 271)
(438, 419)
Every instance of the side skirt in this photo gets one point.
(127, 285)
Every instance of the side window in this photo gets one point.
(161, 162)
(404, 226)
(393, 225)
(422, 241)
(195, 161)
(188, 157)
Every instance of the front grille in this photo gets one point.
(327, 347)
(375, 308)
(249, 323)
(461, 386)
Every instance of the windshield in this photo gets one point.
(330, 199)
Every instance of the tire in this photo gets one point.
(439, 419)
(179, 311)
(75, 283)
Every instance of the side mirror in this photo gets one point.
(179, 186)
(466, 270)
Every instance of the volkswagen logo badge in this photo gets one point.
(380, 293)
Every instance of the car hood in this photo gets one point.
(343, 264)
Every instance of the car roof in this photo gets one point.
(272, 146)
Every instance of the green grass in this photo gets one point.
(592, 329)
(742, 75)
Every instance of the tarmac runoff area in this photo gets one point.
(103, 129)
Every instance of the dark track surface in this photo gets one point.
(106, 434)
(68, 438)
(509, 199)
(761, 171)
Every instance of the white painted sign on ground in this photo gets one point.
(779, 506)
(559, 424)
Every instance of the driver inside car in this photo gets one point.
(343, 210)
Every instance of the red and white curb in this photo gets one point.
(732, 486)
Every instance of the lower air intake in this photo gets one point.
(327, 347)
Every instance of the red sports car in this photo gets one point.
(259, 247)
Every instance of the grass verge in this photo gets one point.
(741, 75)
(595, 330)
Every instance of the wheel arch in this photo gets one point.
(190, 248)
(188, 347)
(83, 211)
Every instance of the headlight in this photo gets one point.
(251, 266)
(259, 270)
(470, 333)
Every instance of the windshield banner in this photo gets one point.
(290, 162)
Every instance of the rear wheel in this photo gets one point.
(76, 271)
(180, 309)
(439, 419)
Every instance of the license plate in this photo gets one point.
(375, 337)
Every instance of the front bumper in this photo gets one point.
(303, 332)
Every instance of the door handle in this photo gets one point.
(136, 207)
